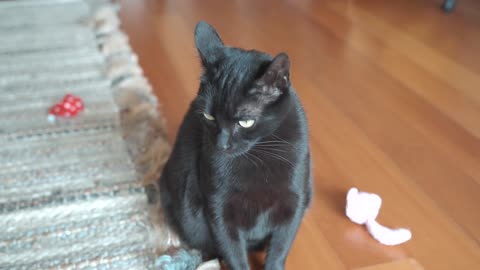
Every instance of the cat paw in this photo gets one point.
(210, 265)
(172, 239)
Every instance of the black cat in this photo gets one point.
(239, 176)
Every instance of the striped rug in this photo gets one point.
(72, 191)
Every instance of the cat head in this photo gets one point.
(244, 95)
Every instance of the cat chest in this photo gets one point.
(263, 206)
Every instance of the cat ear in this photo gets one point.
(208, 43)
(275, 80)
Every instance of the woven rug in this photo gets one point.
(72, 191)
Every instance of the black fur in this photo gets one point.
(226, 189)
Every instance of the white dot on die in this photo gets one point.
(51, 118)
(67, 105)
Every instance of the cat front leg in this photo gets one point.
(230, 244)
(281, 242)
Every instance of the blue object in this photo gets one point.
(181, 260)
(448, 5)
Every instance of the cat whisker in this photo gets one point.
(273, 144)
(280, 158)
(253, 156)
(276, 143)
(252, 161)
(246, 156)
(281, 142)
(270, 144)
(271, 147)
(274, 155)
(264, 165)
(280, 139)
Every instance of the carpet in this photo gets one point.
(72, 192)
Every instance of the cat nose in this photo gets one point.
(223, 142)
(225, 146)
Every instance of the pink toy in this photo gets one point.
(70, 106)
(362, 208)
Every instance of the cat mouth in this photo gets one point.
(233, 152)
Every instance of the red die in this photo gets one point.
(70, 106)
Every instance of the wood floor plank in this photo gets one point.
(138, 20)
(311, 239)
(355, 161)
(444, 68)
(456, 104)
(442, 32)
(179, 46)
(412, 151)
(408, 264)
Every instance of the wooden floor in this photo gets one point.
(392, 93)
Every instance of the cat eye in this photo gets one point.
(246, 123)
(208, 116)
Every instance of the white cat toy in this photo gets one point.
(362, 208)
